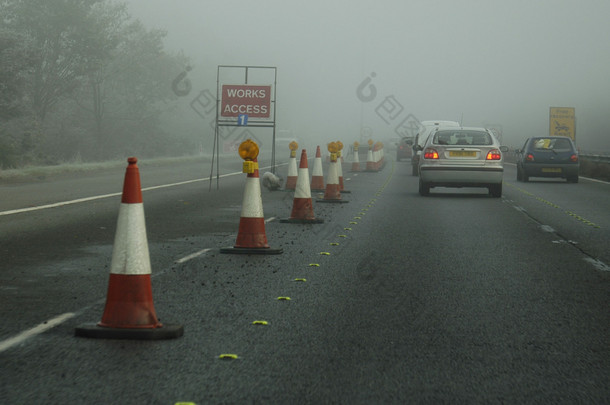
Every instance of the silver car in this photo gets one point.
(461, 157)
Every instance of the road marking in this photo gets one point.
(192, 256)
(100, 197)
(553, 205)
(598, 264)
(37, 330)
(201, 252)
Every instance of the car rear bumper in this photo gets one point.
(550, 170)
(457, 176)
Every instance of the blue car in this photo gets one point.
(548, 156)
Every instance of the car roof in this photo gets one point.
(441, 128)
(430, 123)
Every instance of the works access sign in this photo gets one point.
(240, 99)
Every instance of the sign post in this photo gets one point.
(245, 97)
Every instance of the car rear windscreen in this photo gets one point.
(556, 144)
(462, 138)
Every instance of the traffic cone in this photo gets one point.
(302, 207)
(332, 194)
(370, 162)
(317, 175)
(340, 173)
(381, 155)
(291, 178)
(251, 236)
(129, 312)
(356, 161)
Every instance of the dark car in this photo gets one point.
(404, 149)
(548, 156)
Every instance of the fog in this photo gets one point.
(494, 63)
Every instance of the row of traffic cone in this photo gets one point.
(129, 312)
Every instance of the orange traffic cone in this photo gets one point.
(356, 161)
(302, 208)
(370, 160)
(291, 178)
(317, 175)
(129, 311)
(251, 236)
(340, 173)
(332, 193)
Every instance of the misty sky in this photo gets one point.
(501, 63)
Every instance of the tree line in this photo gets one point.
(82, 80)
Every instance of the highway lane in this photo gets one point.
(579, 213)
(453, 298)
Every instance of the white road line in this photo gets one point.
(59, 204)
(192, 256)
(598, 264)
(201, 252)
(37, 330)
(99, 197)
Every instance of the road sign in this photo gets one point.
(562, 122)
(242, 119)
(255, 101)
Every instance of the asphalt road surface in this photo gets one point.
(453, 298)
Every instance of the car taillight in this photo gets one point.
(529, 157)
(430, 153)
(494, 154)
(574, 158)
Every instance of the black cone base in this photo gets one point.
(251, 251)
(92, 330)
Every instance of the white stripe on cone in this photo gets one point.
(317, 175)
(303, 190)
(252, 203)
(130, 253)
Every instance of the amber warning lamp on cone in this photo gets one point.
(333, 148)
(293, 146)
(248, 151)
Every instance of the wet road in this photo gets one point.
(452, 298)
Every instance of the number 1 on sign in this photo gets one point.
(242, 119)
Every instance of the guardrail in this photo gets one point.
(595, 158)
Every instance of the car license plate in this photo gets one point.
(551, 170)
(462, 153)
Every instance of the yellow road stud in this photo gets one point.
(260, 323)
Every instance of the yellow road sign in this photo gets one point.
(562, 122)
